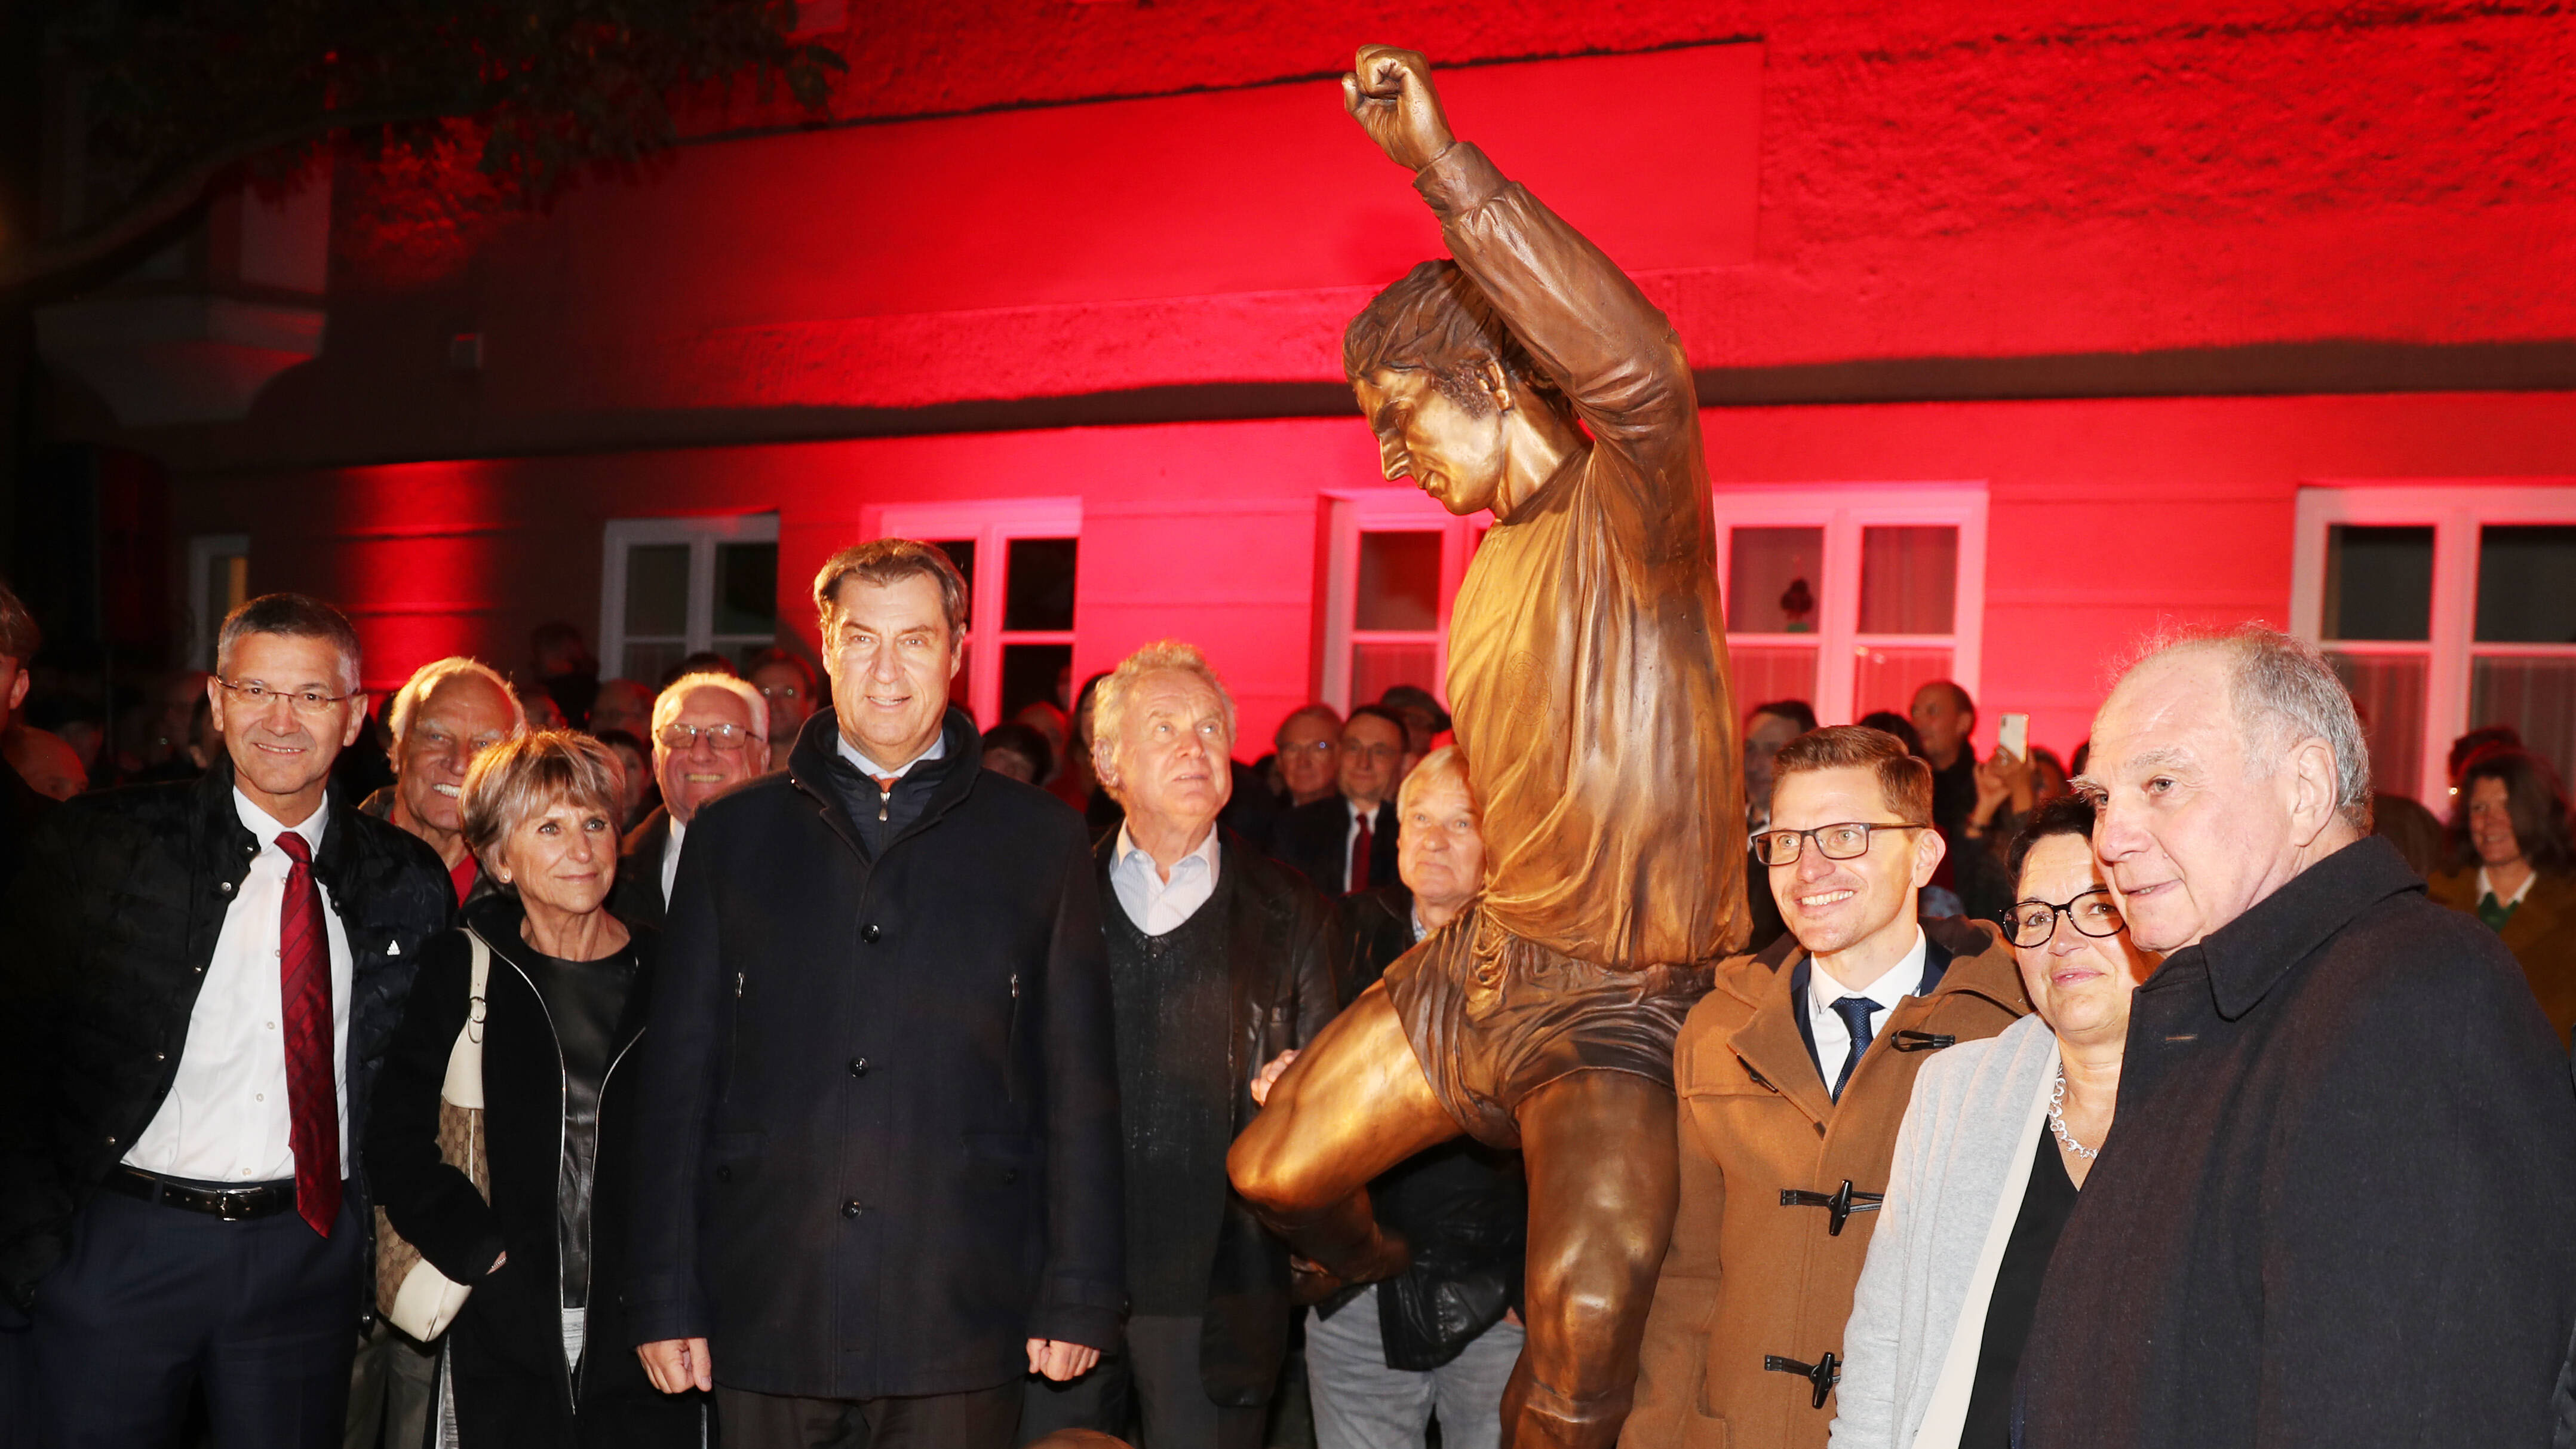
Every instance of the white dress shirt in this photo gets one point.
(226, 1118)
(938, 751)
(1156, 905)
(2487, 888)
(671, 858)
(1833, 1039)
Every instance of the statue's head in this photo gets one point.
(1440, 378)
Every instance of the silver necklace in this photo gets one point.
(2057, 1118)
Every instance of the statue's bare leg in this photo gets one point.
(1604, 1179)
(1353, 1104)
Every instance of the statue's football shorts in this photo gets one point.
(1494, 1017)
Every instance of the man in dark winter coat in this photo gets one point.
(2332, 1210)
(200, 984)
(1220, 960)
(877, 1152)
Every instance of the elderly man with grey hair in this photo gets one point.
(710, 733)
(1220, 959)
(2333, 1209)
(449, 711)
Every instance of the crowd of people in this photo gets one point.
(770, 1057)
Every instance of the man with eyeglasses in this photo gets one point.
(710, 733)
(198, 982)
(1347, 840)
(1794, 1074)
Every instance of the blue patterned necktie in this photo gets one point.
(1855, 1012)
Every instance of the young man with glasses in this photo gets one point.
(1793, 1074)
(710, 733)
(199, 981)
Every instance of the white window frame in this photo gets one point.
(992, 523)
(1355, 511)
(203, 550)
(1843, 510)
(702, 534)
(2455, 509)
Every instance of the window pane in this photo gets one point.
(1030, 673)
(2379, 582)
(1399, 582)
(1887, 678)
(960, 684)
(1038, 593)
(647, 662)
(1765, 674)
(747, 588)
(1773, 579)
(2535, 695)
(2388, 692)
(1909, 580)
(2527, 585)
(1376, 668)
(657, 591)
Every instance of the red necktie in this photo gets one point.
(1360, 857)
(312, 1093)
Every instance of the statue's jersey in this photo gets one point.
(1587, 648)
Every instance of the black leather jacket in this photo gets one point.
(112, 923)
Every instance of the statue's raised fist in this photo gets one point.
(1389, 93)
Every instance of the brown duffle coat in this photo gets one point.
(1749, 1278)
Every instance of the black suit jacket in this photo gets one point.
(636, 899)
(111, 924)
(879, 1142)
(1314, 840)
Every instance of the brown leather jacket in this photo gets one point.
(1747, 1277)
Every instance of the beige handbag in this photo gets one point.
(412, 1295)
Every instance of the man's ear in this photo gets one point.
(2312, 789)
(1929, 847)
(1497, 385)
(357, 719)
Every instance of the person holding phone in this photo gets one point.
(2007, 791)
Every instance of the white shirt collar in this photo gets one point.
(938, 751)
(1127, 849)
(1361, 812)
(1893, 985)
(2487, 888)
(264, 825)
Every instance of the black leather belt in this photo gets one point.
(232, 1204)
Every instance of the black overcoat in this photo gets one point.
(512, 1316)
(1313, 839)
(111, 925)
(2332, 1207)
(880, 1118)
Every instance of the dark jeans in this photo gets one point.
(977, 1419)
(1157, 1372)
(153, 1298)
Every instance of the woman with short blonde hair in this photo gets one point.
(539, 1355)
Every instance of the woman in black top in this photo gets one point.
(538, 1356)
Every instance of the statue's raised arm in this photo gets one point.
(1593, 338)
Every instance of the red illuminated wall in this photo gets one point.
(2140, 270)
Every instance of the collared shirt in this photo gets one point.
(2487, 888)
(671, 858)
(1833, 1039)
(938, 751)
(1156, 905)
(226, 1118)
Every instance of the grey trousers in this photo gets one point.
(1360, 1403)
(390, 1389)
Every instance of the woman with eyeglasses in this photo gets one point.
(1996, 1144)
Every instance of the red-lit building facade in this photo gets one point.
(2018, 335)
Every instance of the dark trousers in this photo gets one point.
(1155, 1377)
(152, 1299)
(976, 1419)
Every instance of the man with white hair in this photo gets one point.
(710, 733)
(2331, 1213)
(1220, 960)
(448, 712)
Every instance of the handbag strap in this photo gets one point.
(464, 1083)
